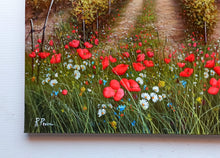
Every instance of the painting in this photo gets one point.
(122, 67)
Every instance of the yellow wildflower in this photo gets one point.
(83, 89)
(161, 84)
(114, 124)
(199, 99)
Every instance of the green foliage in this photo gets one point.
(88, 9)
(199, 12)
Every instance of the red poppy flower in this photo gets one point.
(64, 92)
(56, 58)
(138, 51)
(66, 47)
(210, 64)
(115, 84)
(126, 54)
(74, 43)
(113, 91)
(194, 44)
(140, 57)
(105, 63)
(140, 44)
(213, 90)
(181, 64)
(149, 63)
(43, 55)
(170, 55)
(100, 82)
(187, 72)
(96, 41)
(101, 58)
(206, 55)
(190, 58)
(167, 61)
(74, 31)
(150, 54)
(39, 41)
(88, 45)
(108, 92)
(217, 70)
(113, 60)
(213, 54)
(32, 55)
(215, 86)
(84, 53)
(138, 66)
(120, 69)
(130, 85)
(51, 43)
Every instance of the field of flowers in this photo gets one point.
(147, 86)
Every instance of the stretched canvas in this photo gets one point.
(122, 67)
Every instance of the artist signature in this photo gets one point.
(41, 122)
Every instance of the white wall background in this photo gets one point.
(14, 143)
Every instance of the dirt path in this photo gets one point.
(126, 22)
(216, 34)
(169, 22)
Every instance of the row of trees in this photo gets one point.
(200, 15)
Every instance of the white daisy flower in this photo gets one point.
(160, 97)
(144, 104)
(92, 76)
(154, 97)
(164, 96)
(53, 82)
(145, 96)
(171, 68)
(69, 66)
(65, 64)
(110, 105)
(83, 67)
(104, 106)
(101, 112)
(85, 62)
(56, 75)
(48, 75)
(76, 67)
(156, 89)
(140, 80)
(89, 90)
(142, 75)
(47, 79)
(206, 70)
(43, 82)
(206, 75)
(76, 74)
(70, 60)
(212, 72)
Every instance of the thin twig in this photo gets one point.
(45, 24)
(32, 44)
(43, 37)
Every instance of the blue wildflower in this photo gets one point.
(169, 104)
(133, 123)
(104, 82)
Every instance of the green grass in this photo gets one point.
(193, 110)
